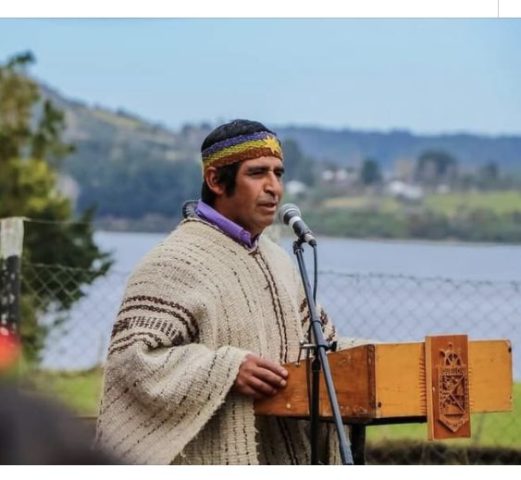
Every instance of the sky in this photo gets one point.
(428, 76)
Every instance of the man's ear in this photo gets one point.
(210, 177)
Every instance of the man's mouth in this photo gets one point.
(269, 205)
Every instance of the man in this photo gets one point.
(207, 319)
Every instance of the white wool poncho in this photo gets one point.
(193, 308)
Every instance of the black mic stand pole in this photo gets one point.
(320, 360)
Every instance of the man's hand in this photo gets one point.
(259, 378)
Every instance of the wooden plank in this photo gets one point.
(490, 374)
(355, 386)
(400, 367)
(291, 401)
(387, 381)
(354, 382)
(400, 380)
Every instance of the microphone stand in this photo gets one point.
(320, 361)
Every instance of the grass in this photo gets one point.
(450, 204)
(80, 391)
(383, 204)
(499, 202)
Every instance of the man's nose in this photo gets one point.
(273, 185)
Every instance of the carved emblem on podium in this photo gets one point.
(453, 390)
(448, 403)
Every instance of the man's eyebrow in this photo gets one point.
(264, 168)
(258, 168)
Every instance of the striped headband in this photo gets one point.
(242, 147)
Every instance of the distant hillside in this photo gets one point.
(343, 147)
(125, 166)
(130, 167)
(97, 131)
(110, 133)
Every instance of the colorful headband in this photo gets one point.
(242, 147)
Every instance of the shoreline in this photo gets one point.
(288, 237)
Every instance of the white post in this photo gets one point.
(11, 247)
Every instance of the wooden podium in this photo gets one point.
(441, 381)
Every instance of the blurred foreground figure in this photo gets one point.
(35, 431)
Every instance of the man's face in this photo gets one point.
(258, 191)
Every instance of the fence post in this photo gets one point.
(11, 245)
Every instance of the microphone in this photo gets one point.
(289, 214)
(188, 208)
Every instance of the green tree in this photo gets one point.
(30, 146)
(434, 167)
(488, 176)
(370, 173)
(134, 187)
(296, 165)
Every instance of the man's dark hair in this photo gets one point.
(227, 174)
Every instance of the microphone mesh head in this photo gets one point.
(287, 211)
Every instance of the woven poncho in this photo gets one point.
(193, 308)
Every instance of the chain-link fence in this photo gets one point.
(397, 308)
(77, 339)
(382, 307)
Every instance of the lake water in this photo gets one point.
(387, 290)
(488, 262)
